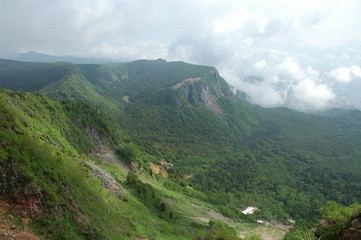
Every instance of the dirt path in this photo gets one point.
(213, 214)
(111, 157)
(201, 219)
(209, 212)
(278, 225)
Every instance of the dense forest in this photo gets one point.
(219, 151)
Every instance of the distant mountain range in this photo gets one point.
(40, 57)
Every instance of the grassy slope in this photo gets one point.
(280, 159)
(37, 139)
(33, 137)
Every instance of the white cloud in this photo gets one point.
(265, 95)
(279, 43)
(345, 74)
(356, 71)
(277, 79)
(138, 50)
(260, 64)
(310, 95)
(341, 74)
(230, 22)
(345, 56)
(290, 69)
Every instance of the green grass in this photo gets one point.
(249, 229)
(287, 163)
(79, 207)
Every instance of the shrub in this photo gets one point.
(338, 219)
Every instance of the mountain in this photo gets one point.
(51, 189)
(185, 118)
(114, 88)
(40, 57)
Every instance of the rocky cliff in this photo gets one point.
(328, 229)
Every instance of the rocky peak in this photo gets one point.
(203, 90)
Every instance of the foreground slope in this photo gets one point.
(286, 163)
(49, 188)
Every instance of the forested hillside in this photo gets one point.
(52, 188)
(215, 147)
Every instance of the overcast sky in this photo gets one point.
(304, 54)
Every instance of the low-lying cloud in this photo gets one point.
(280, 80)
(346, 74)
(280, 53)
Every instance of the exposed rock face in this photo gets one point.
(198, 92)
(134, 167)
(108, 181)
(192, 80)
(354, 231)
(100, 144)
(205, 91)
(156, 169)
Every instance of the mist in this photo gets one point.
(305, 55)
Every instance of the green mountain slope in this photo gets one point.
(286, 163)
(49, 186)
(30, 76)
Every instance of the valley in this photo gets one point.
(164, 150)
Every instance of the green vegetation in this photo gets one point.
(336, 218)
(339, 216)
(96, 126)
(300, 234)
(150, 197)
(41, 166)
(131, 153)
(217, 231)
(216, 148)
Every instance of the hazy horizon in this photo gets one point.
(305, 55)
